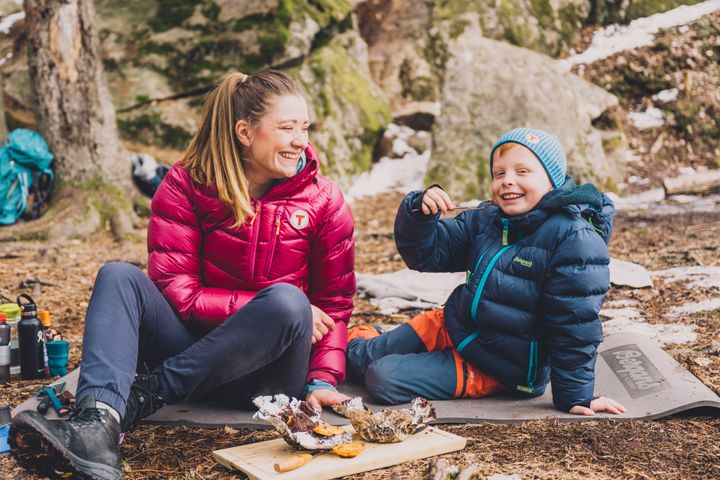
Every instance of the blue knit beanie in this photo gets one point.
(545, 146)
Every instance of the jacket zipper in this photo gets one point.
(477, 265)
(273, 241)
(253, 245)
(478, 294)
(532, 365)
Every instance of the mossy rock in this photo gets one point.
(545, 26)
(167, 124)
(606, 12)
(348, 110)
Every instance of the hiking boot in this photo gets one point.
(364, 331)
(143, 401)
(86, 444)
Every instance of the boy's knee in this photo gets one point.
(384, 381)
(119, 272)
(288, 305)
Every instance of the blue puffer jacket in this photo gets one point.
(528, 312)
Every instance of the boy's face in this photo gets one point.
(519, 180)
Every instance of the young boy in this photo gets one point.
(536, 259)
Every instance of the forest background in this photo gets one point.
(402, 94)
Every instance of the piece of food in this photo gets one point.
(293, 462)
(296, 421)
(386, 426)
(328, 430)
(349, 449)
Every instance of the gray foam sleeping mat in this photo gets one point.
(631, 369)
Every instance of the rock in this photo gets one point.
(417, 115)
(490, 87)
(410, 40)
(628, 274)
(348, 110)
(239, 9)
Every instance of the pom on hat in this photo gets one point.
(545, 146)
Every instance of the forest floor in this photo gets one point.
(60, 277)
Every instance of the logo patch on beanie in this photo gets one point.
(532, 138)
(299, 219)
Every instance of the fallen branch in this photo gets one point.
(693, 183)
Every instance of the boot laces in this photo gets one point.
(85, 416)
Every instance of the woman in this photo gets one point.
(251, 282)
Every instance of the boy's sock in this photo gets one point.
(110, 410)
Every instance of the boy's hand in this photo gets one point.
(324, 397)
(322, 324)
(436, 200)
(600, 404)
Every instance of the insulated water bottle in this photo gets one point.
(32, 364)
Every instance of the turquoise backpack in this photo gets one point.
(26, 180)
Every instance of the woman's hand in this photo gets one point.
(325, 397)
(322, 324)
(435, 200)
(600, 404)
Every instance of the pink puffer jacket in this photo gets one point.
(301, 233)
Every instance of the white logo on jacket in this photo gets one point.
(299, 219)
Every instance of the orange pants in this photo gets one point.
(471, 382)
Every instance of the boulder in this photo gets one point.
(490, 87)
(348, 110)
(410, 41)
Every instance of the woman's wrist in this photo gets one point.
(316, 384)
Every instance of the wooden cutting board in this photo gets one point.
(257, 459)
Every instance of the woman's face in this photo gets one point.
(274, 144)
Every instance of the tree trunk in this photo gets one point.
(693, 183)
(74, 111)
(75, 115)
(3, 122)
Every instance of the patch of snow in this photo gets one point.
(665, 96)
(402, 174)
(622, 303)
(661, 333)
(686, 170)
(400, 148)
(391, 175)
(639, 33)
(650, 118)
(6, 58)
(7, 22)
(696, 276)
(628, 274)
(628, 313)
(631, 157)
(690, 308)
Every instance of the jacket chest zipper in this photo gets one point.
(273, 242)
(478, 294)
(253, 244)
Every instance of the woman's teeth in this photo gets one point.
(290, 156)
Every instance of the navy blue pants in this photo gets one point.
(263, 348)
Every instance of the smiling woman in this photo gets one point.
(250, 287)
